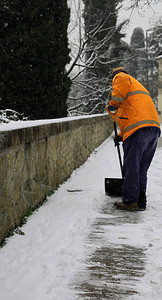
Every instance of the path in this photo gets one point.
(78, 246)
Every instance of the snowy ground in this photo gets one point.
(65, 240)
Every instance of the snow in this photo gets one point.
(159, 57)
(13, 125)
(43, 263)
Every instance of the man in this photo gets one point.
(139, 130)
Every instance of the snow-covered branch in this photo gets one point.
(93, 49)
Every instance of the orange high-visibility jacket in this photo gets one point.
(135, 106)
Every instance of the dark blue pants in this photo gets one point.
(139, 149)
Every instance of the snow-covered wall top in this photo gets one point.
(12, 125)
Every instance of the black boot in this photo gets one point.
(142, 200)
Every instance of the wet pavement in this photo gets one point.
(117, 260)
(113, 268)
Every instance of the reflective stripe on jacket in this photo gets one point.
(135, 106)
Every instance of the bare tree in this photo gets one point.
(88, 52)
(89, 93)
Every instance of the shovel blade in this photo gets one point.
(113, 186)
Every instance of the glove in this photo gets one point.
(111, 109)
(117, 140)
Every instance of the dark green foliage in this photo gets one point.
(143, 64)
(33, 54)
(154, 39)
(138, 38)
(138, 67)
(154, 48)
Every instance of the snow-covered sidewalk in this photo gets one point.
(78, 233)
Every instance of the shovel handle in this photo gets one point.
(118, 147)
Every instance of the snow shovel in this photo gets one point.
(113, 186)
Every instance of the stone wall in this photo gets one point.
(35, 160)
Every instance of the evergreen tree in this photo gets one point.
(33, 54)
(155, 40)
(154, 47)
(138, 38)
(143, 65)
(138, 62)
